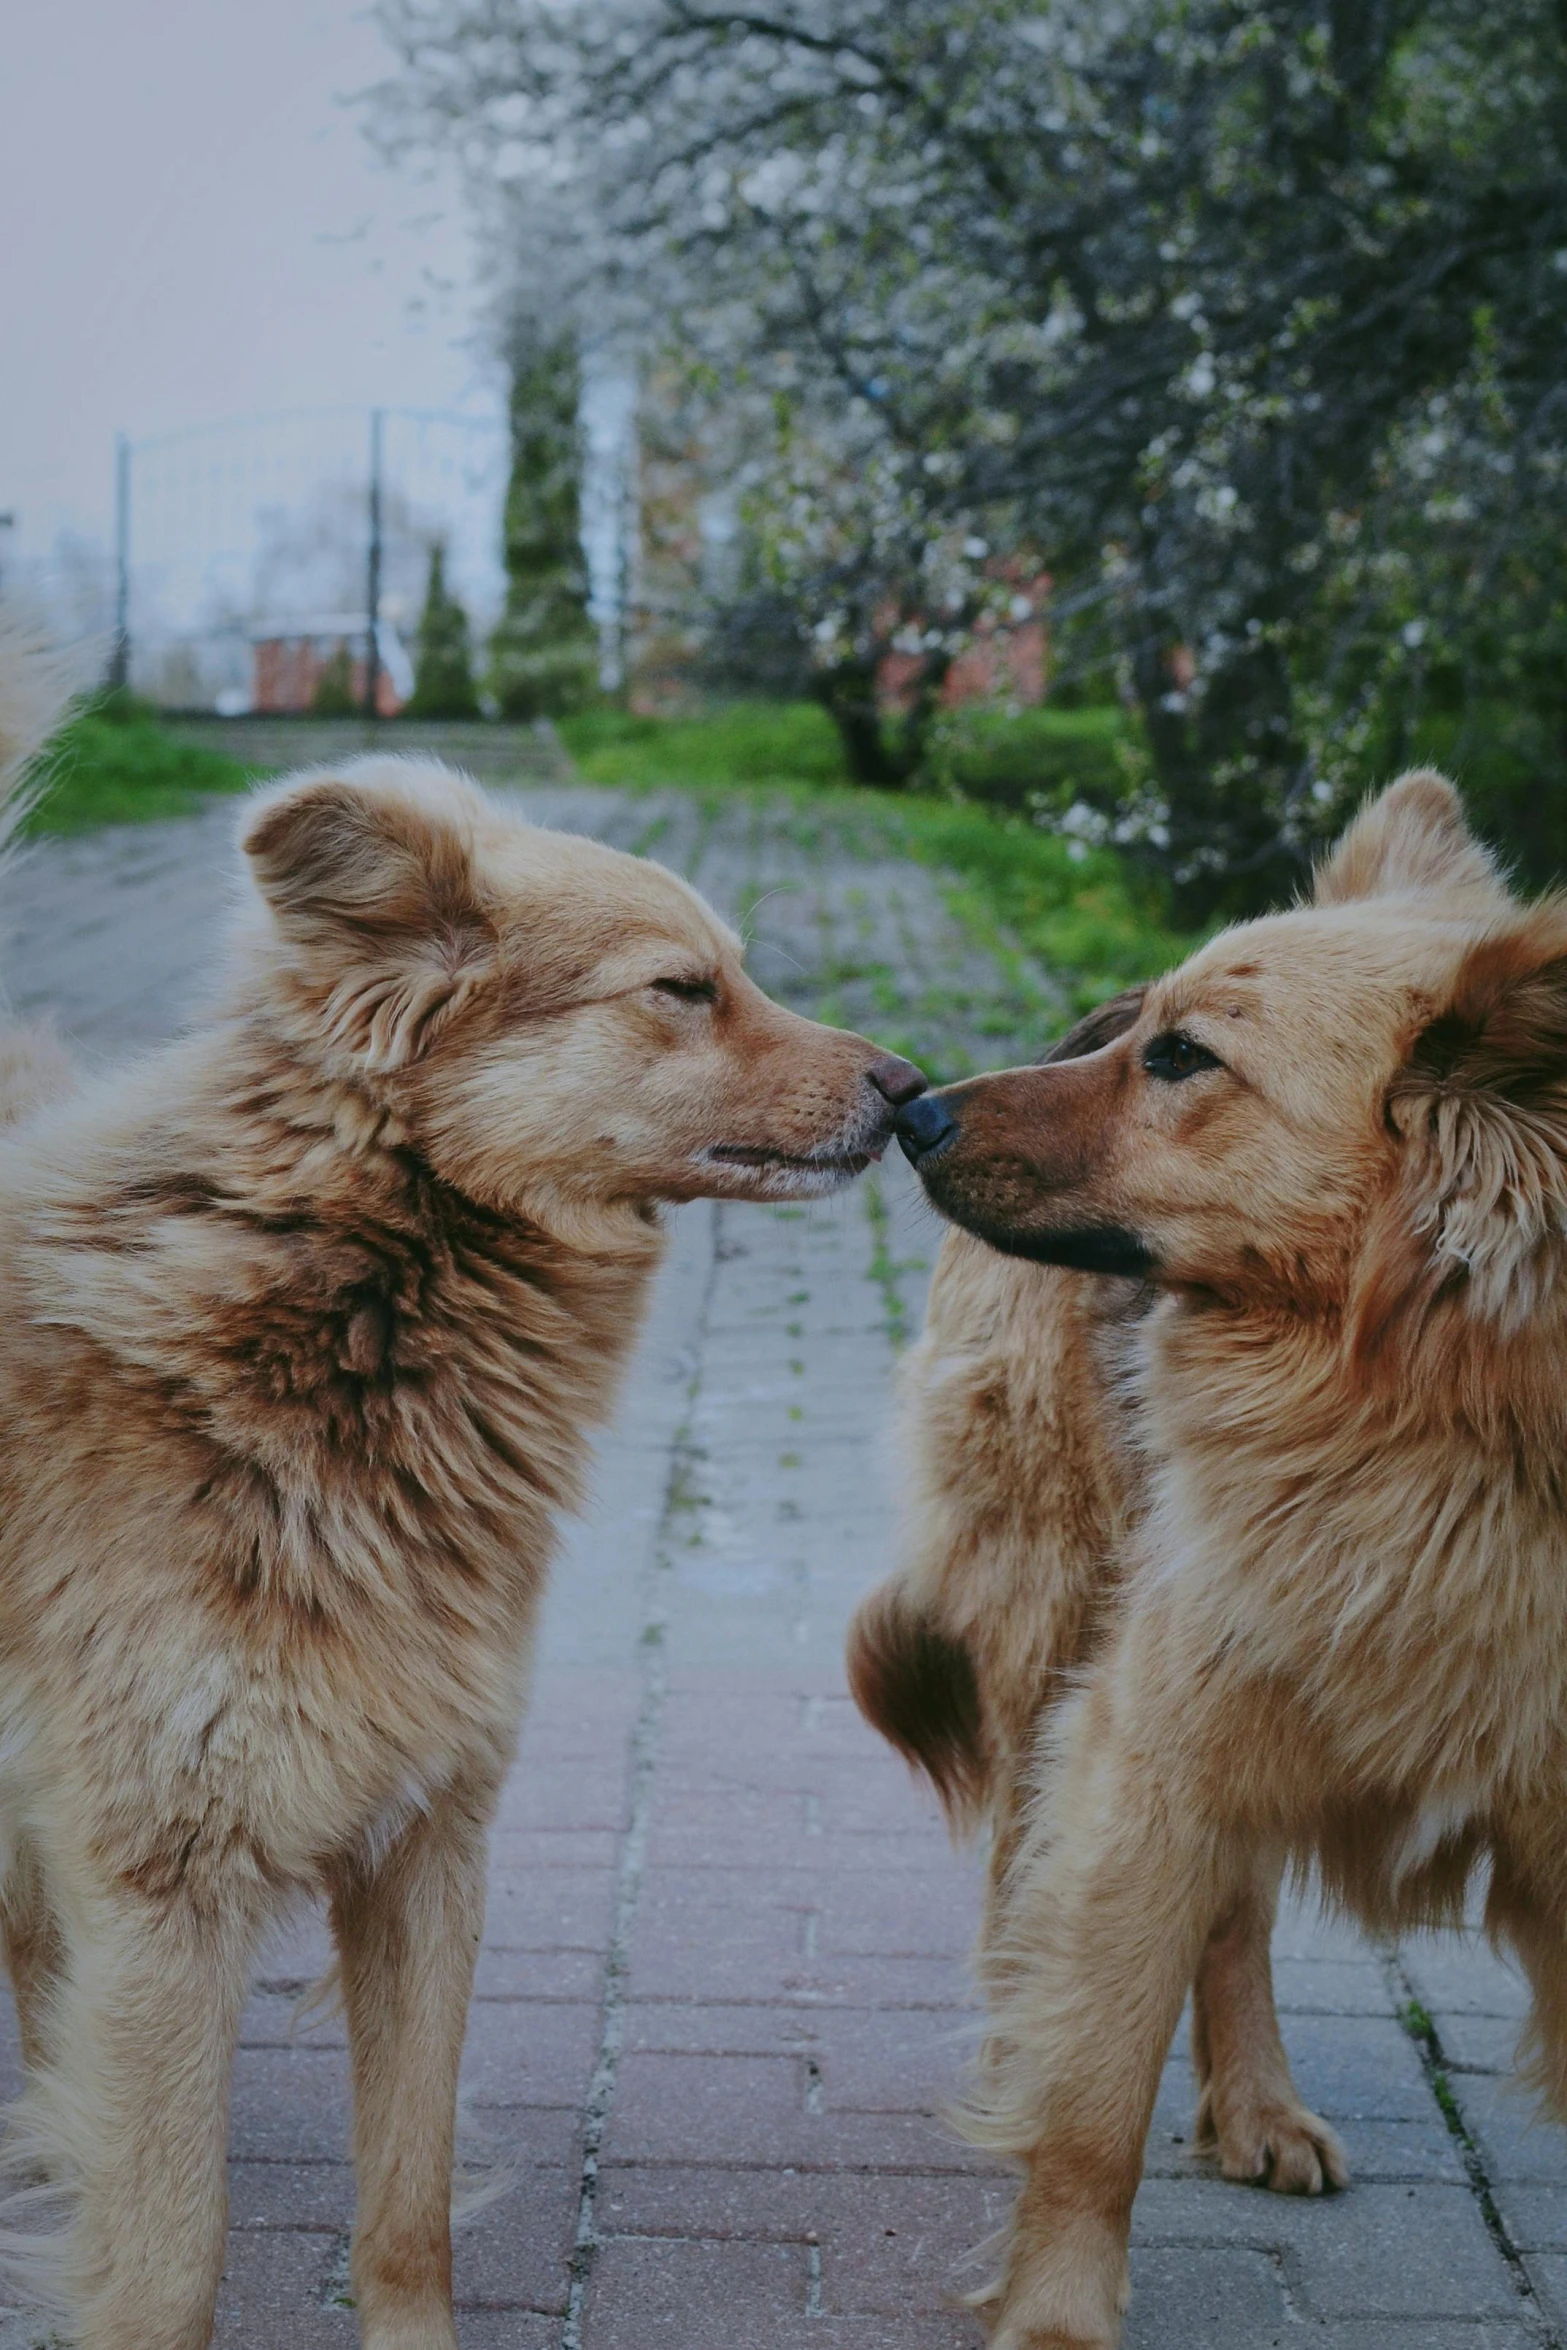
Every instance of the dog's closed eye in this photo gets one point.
(1173, 1057)
(688, 991)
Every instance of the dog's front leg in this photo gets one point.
(129, 2110)
(1250, 2110)
(408, 1930)
(1111, 1898)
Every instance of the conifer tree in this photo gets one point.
(333, 695)
(443, 667)
(544, 653)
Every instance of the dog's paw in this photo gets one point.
(1055, 2303)
(1022, 2334)
(1283, 2148)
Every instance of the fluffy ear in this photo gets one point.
(1413, 837)
(918, 1689)
(370, 880)
(1482, 1109)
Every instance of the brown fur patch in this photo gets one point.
(918, 1688)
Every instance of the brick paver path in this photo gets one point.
(723, 1993)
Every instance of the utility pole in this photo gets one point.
(373, 573)
(120, 657)
(7, 522)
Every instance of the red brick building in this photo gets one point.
(289, 658)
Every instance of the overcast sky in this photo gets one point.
(194, 229)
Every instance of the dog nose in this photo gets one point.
(922, 1126)
(896, 1080)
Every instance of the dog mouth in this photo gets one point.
(823, 1169)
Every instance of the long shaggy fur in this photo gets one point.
(304, 1324)
(1338, 1141)
(1025, 1478)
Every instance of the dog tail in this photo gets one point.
(37, 683)
(917, 1687)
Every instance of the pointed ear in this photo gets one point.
(1481, 1107)
(370, 880)
(1412, 838)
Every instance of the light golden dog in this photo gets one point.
(1023, 1479)
(1335, 1144)
(303, 1323)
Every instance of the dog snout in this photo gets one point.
(896, 1080)
(923, 1126)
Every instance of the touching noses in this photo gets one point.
(924, 1127)
(896, 1080)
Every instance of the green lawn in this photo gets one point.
(112, 763)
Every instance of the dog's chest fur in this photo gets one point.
(1394, 1563)
(290, 1433)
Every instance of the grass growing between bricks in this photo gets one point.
(885, 1270)
(1419, 2023)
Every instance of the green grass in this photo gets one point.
(1079, 911)
(1033, 758)
(112, 763)
(1014, 886)
(736, 742)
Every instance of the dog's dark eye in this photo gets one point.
(1174, 1056)
(689, 991)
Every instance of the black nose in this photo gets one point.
(923, 1126)
(896, 1080)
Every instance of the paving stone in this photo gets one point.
(292, 2193)
(511, 2329)
(528, 1975)
(531, 2051)
(1478, 2043)
(1419, 2333)
(1210, 2300)
(274, 2293)
(695, 2296)
(749, 2109)
(1419, 2252)
(1547, 2274)
(1517, 2142)
(1330, 1986)
(516, 2253)
(554, 1909)
(1397, 2151)
(1385, 2251)
(290, 2103)
(1462, 1975)
(1357, 2067)
(1535, 2217)
(864, 2060)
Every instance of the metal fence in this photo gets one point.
(247, 555)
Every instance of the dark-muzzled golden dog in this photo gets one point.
(1335, 1145)
(1023, 1478)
